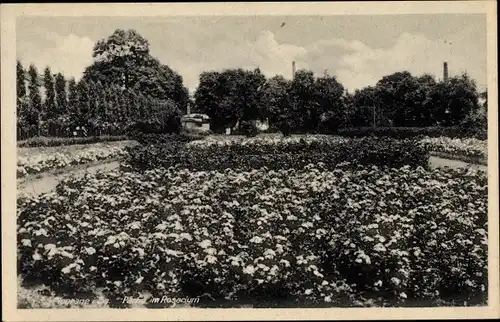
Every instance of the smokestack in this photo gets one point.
(293, 69)
(445, 71)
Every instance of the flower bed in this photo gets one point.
(310, 237)
(43, 161)
(465, 148)
(272, 153)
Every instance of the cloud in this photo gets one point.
(264, 52)
(355, 63)
(68, 54)
(361, 65)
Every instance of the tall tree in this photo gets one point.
(84, 104)
(49, 114)
(35, 100)
(21, 108)
(73, 99)
(61, 94)
(20, 81)
(124, 59)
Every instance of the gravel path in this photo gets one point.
(437, 162)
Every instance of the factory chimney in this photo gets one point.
(293, 69)
(445, 71)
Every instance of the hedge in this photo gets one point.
(411, 132)
(55, 141)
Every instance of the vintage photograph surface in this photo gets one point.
(252, 161)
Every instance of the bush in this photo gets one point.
(48, 141)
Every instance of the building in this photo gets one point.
(196, 123)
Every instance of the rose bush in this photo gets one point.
(349, 236)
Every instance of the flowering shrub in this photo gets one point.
(277, 153)
(49, 160)
(468, 147)
(312, 237)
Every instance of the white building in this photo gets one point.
(196, 123)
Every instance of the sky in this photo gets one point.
(358, 50)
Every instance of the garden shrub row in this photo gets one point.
(150, 138)
(410, 132)
(368, 151)
(59, 141)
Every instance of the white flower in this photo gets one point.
(396, 281)
(210, 259)
(308, 291)
(256, 240)
(379, 248)
(249, 270)
(90, 250)
(205, 243)
(37, 256)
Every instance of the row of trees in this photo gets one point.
(320, 104)
(126, 86)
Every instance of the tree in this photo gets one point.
(73, 99)
(35, 101)
(230, 96)
(61, 94)
(330, 109)
(50, 113)
(454, 100)
(123, 50)
(393, 97)
(84, 104)
(21, 104)
(302, 104)
(20, 81)
(274, 99)
(363, 106)
(124, 59)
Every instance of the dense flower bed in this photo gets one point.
(49, 160)
(469, 147)
(343, 237)
(278, 153)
